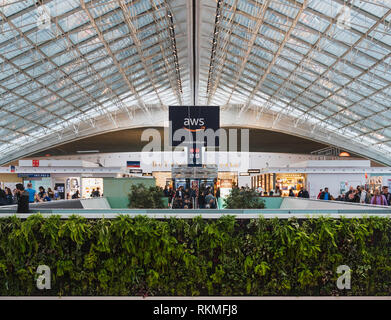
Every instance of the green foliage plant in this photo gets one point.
(141, 256)
(142, 197)
(243, 199)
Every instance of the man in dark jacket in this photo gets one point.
(179, 193)
(303, 193)
(23, 199)
(3, 198)
(351, 190)
(386, 194)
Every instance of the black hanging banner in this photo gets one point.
(194, 127)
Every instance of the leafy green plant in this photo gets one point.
(243, 199)
(142, 197)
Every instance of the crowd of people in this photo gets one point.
(181, 198)
(303, 193)
(360, 194)
(8, 197)
(203, 197)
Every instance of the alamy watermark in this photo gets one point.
(43, 280)
(205, 140)
(344, 281)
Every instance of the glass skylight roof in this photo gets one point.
(324, 62)
(333, 67)
(68, 70)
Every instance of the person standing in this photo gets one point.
(166, 191)
(291, 193)
(201, 199)
(9, 199)
(217, 195)
(32, 192)
(193, 196)
(351, 190)
(325, 195)
(303, 193)
(179, 194)
(3, 199)
(50, 193)
(56, 193)
(386, 194)
(320, 193)
(23, 197)
(363, 194)
(76, 195)
(260, 191)
(210, 201)
(379, 199)
(171, 195)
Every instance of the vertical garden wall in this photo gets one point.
(178, 257)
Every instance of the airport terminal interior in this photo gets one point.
(195, 107)
(301, 85)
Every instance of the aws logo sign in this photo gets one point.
(194, 122)
(194, 119)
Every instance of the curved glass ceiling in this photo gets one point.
(323, 62)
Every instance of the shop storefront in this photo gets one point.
(266, 181)
(286, 181)
(225, 181)
(163, 178)
(88, 185)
